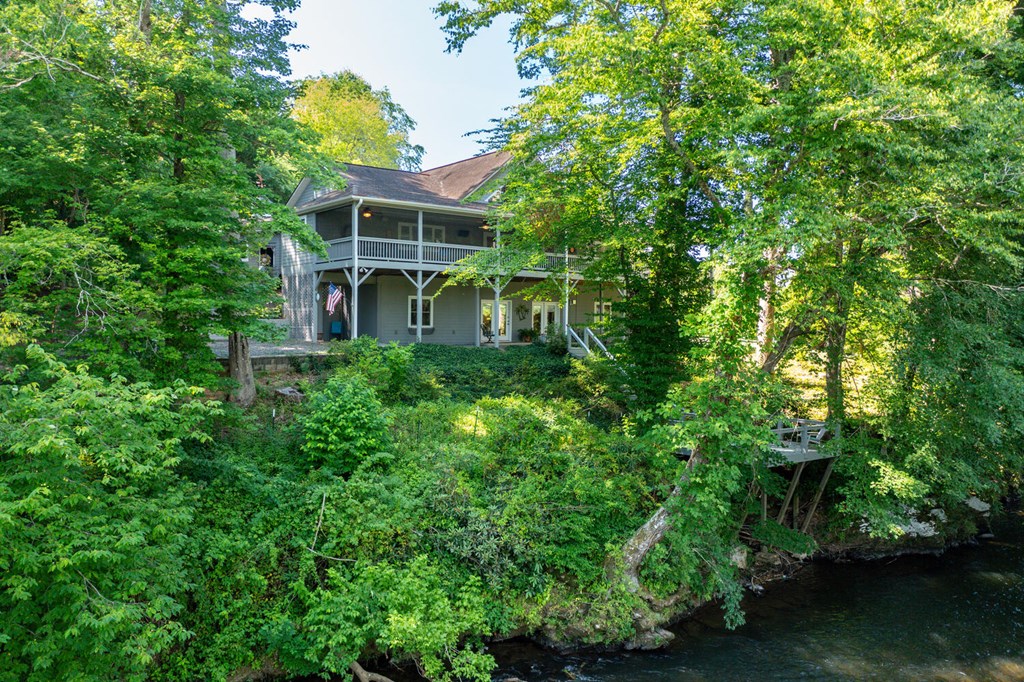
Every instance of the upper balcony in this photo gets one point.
(388, 237)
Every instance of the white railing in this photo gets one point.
(588, 342)
(388, 249)
(338, 249)
(447, 254)
(557, 261)
(404, 251)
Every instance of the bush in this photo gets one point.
(345, 423)
(558, 344)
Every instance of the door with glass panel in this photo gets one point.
(545, 314)
(486, 321)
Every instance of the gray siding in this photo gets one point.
(455, 314)
(297, 286)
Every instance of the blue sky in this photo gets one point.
(399, 44)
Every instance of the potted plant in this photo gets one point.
(527, 334)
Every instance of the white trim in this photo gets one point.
(294, 198)
(505, 305)
(429, 301)
(391, 203)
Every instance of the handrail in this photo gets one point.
(434, 253)
(592, 337)
(573, 335)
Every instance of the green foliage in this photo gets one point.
(344, 423)
(355, 123)
(774, 535)
(94, 522)
(557, 343)
(466, 374)
(139, 176)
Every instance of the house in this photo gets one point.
(390, 237)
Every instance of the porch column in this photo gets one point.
(496, 316)
(565, 310)
(354, 333)
(419, 278)
(419, 295)
(477, 334)
(419, 238)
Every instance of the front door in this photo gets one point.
(486, 320)
(545, 314)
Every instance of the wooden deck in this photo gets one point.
(799, 440)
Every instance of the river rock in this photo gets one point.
(649, 640)
(290, 394)
(977, 505)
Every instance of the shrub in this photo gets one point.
(558, 344)
(345, 423)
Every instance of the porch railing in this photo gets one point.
(404, 251)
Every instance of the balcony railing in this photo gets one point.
(404, 252)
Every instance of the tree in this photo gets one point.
(357, 124)
(819, 155)
(94, 521)
(495, 269)
(144, 132)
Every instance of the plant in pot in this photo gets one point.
(527, 334)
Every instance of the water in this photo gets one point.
(959, 616)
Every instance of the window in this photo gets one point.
(428, 312)
(602, 311)
(266, 257)
(431, 233)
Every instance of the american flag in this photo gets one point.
(334, 295)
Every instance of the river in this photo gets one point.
(959, 616)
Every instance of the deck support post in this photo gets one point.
(419, 285)
(354, 332)
(789, 493)
(565, 309)
(817, 495)
(496, 317)
(419, 298)
(477, 335)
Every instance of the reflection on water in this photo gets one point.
(955, 617)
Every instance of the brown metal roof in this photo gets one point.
(447, 185)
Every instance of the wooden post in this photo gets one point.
(817, 495)
(496, 316)
(478, 309)
(791, 491)
(355, 270)
(419, 306)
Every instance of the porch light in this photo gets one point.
(367, 212)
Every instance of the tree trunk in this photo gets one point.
(240, 369)
(835, 354)
(766, 305)
(365, 676)
(633, 552)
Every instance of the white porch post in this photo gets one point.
(419, 278)
(419, 304)
(478, 331)
(496, 316)
(565, 310)
(355, 269)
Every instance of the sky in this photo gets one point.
(398, 44)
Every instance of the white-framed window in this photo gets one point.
(602, 309)
(431, 233)
(428, 312)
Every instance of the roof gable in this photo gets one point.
(445, 186)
